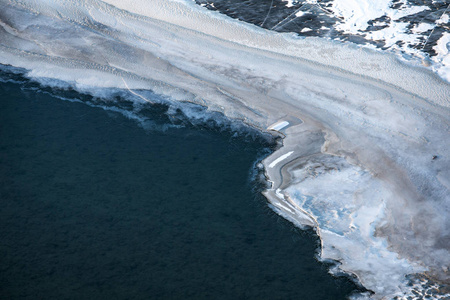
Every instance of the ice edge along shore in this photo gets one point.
(362, 126)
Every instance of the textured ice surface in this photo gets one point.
(370, 154)
(405, 27)
(348, 212)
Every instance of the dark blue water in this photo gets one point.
(95, 207)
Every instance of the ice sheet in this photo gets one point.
(377, 127)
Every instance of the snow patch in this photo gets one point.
(280, 159)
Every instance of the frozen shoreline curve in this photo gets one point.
(365, 155)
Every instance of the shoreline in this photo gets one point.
(349, 131)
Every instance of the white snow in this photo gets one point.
(278, 125)
(383, 120)
(443, 56)
(299, 13)
(423, 27)
(356, 16)
(290, 3)
(280, 159)
(356, 13)
(445, 18)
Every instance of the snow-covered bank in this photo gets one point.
(407, 28)
(387, 19)
(362, 163)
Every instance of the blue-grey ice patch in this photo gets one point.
(348, 205)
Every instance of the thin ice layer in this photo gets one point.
(378, 116)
